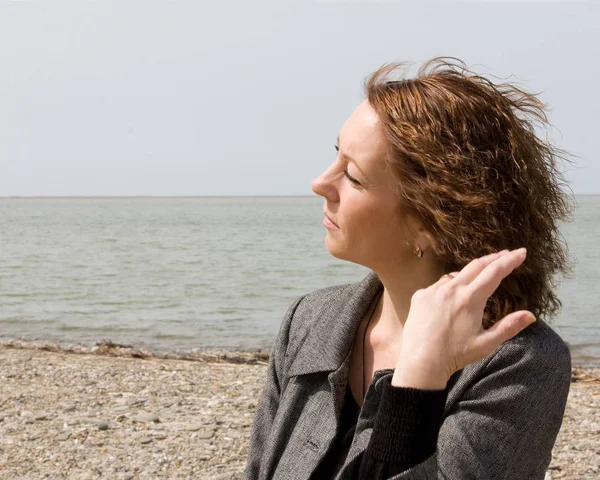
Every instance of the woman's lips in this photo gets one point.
(329, 224)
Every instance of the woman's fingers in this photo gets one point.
(502, 331)
(488, 280)
(458, 338)
(447, 277)
(473, 268)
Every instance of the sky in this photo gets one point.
(247, 97)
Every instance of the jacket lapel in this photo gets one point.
(327, 349)
(330, 339)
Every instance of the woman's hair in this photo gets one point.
(465, 159)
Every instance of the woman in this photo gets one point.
(437, 364)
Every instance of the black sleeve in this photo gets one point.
(405, 432)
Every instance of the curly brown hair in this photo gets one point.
(466, 160)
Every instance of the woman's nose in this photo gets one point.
(325, 184)
(317, 185)
(321, 186)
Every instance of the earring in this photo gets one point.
(418, 252)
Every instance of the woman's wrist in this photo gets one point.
(419, 376)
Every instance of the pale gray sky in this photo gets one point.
(247, 98)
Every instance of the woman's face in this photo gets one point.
(359, 197)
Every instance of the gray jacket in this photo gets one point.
(501, 418)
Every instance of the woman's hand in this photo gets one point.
(444, 333)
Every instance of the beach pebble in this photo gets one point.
(102, 426)
(201, 433)
(224, 476)
(192, 427)
(146, 417)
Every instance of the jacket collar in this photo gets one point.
(331, 337)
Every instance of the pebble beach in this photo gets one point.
(121, 413)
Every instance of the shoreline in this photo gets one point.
(115, 413)
(114, 349)
(251, 355)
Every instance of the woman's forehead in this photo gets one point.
(361, 141)
(361, 135)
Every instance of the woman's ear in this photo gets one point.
(426, 240)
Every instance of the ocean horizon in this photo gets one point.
(167, 273)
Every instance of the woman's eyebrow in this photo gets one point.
(350, 159)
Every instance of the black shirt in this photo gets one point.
(405, 433)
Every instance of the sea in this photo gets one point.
(178, 274)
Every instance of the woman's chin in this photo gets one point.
(336, 249)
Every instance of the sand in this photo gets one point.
(121, 413)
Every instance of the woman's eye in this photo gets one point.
(353, 180)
